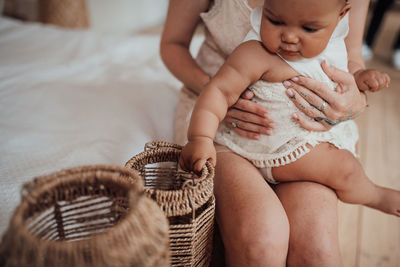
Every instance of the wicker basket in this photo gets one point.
(64, 13)
(86, 216)
(186, 199)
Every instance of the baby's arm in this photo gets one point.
(371, 80)
(244, 66)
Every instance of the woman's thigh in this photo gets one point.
(312, 212)
(248, 210)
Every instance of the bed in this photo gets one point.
(71, 98)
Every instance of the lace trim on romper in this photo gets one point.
(289, 141)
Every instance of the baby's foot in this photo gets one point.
(389, 201)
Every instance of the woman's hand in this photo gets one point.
(324, 106)
(249, 119)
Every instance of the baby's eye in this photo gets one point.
(275, 22)
(309, 29)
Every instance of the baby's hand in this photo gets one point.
(195, 154)
(371, 80)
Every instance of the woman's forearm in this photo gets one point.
(176, 39)
(357, 17)
(181, 64)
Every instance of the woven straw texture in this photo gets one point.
(186, 199)
(64, 13)
(86, 216)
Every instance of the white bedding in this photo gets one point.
(70, 98)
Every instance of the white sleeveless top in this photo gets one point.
(289, 140)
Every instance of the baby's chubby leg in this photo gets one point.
(340, 170)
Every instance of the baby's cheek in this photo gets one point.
(313, 48)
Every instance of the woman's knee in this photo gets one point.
(320, 249)
(268, 245)
(312, 212)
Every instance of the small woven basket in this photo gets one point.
(186, 199)
(64, 13)
(86, 216)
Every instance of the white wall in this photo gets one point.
(125, 16)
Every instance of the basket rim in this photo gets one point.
(59, 177)
(194, 192)
(42, 184)
(172, 155)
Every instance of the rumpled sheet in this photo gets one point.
(70, 98)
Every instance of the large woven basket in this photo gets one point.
(95, 216)
(186, 199)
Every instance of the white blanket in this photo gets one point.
(71, 98)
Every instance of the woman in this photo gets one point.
(254, 218)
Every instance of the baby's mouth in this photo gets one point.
(288, 52)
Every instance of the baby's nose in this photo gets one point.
(289, 37)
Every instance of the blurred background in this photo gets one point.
(382, 33)
(105, 16)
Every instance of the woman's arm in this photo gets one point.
(182, 20)
(357, 17)
(183, 16)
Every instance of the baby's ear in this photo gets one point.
(344, 10)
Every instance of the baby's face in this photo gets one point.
(298, 29)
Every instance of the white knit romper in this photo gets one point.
(288, 142)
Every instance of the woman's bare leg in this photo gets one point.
(312, 212)
(252, 221)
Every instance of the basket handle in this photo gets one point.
(39, 181)
(161, 144)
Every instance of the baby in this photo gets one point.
(289, 38)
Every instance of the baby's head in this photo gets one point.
(298, 29)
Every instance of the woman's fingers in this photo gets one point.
(249, 121)
(309, 97)
(248, 118)
(306, 85)
(310, 109)
(342, 78)
(242, 115)
(311, 125)
(326, 107)
(236, 124)
(317, 119)
(249, 106)
(246, 133)
(247, 94)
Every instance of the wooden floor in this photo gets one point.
(368, 237)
